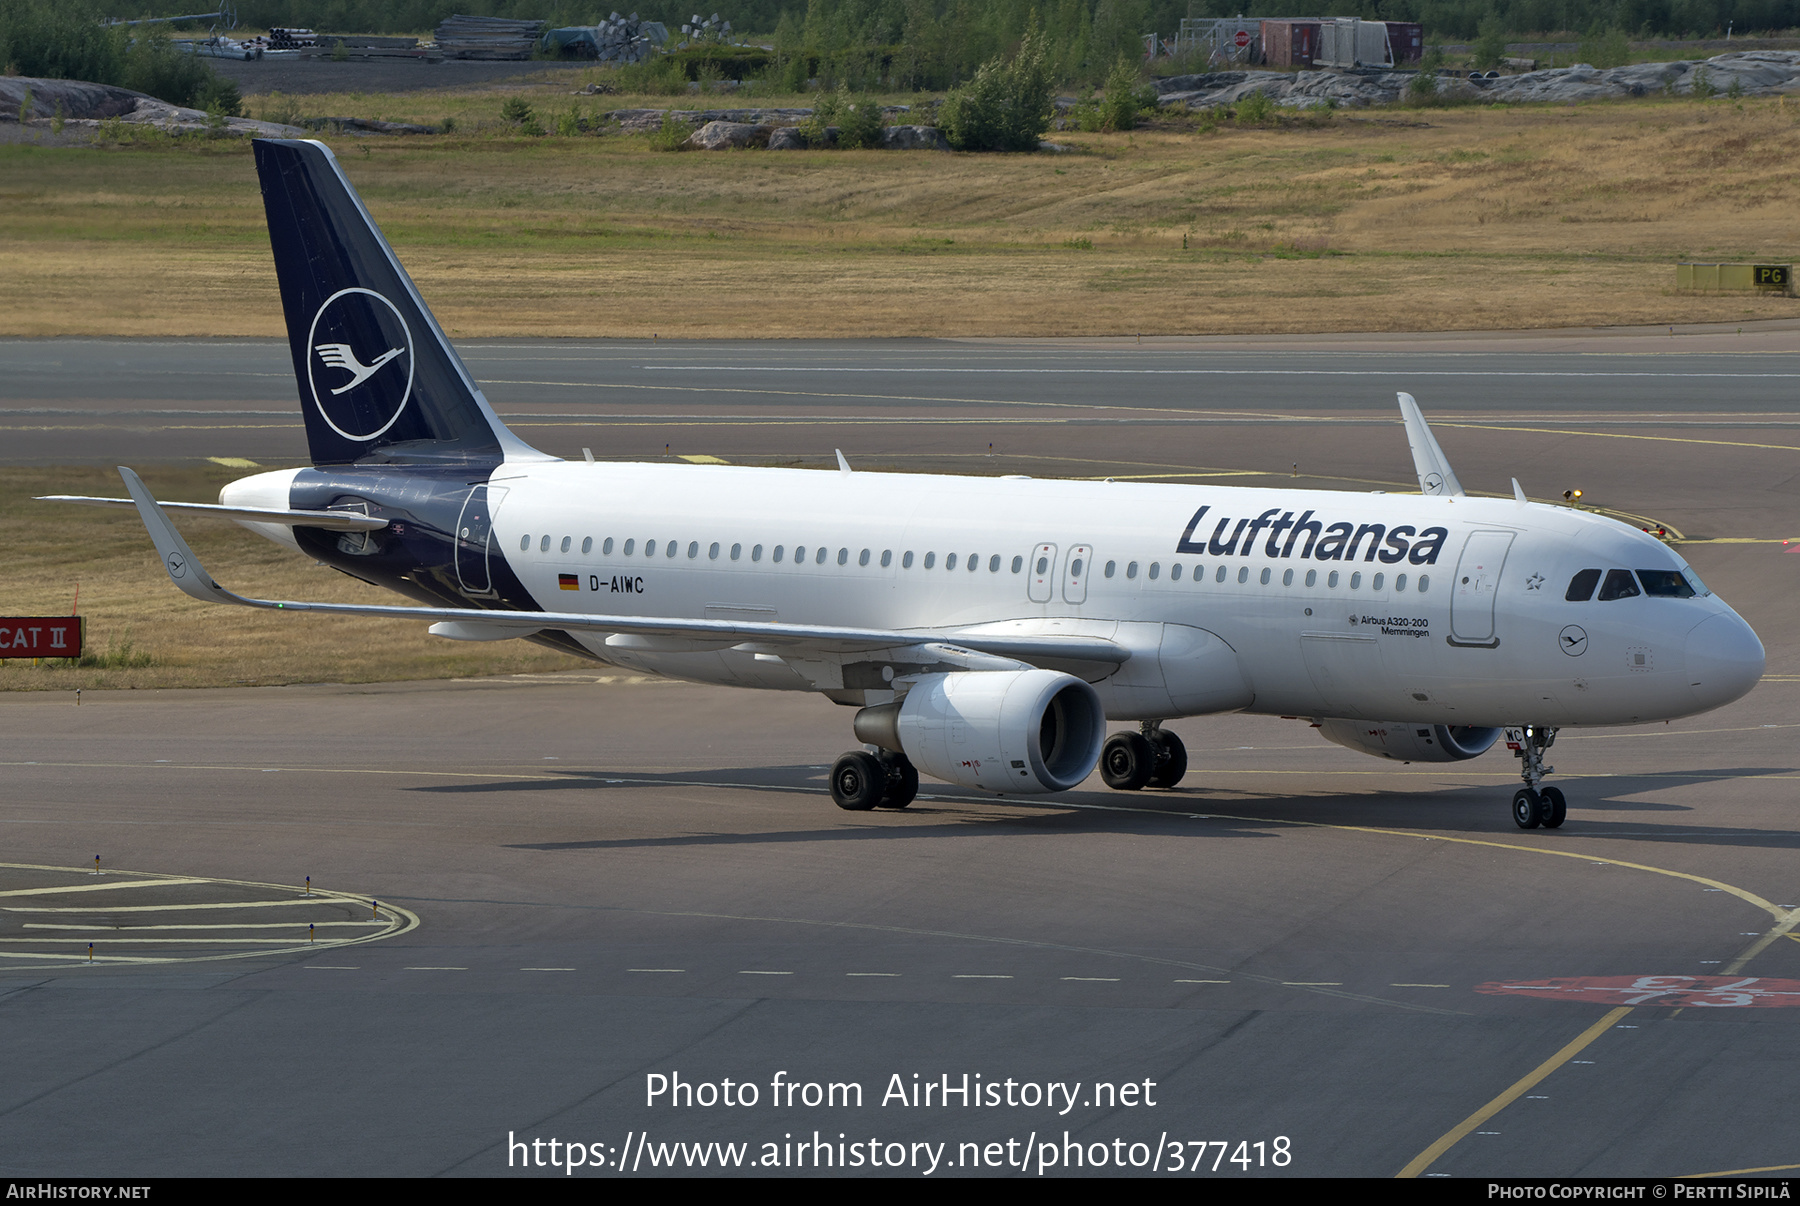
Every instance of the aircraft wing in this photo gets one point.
(186, 572)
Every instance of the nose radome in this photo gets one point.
(1724, 660)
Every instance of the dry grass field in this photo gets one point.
(1399, 219)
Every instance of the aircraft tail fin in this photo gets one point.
(378, 378)
(1435, 474)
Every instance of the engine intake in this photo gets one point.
(1406, 742)
(998, 730)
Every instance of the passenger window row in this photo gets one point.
(1620, 584)
(1311, 578)
(818, 555)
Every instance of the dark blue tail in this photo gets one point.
(378, 379)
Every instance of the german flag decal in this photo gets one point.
(569, 581)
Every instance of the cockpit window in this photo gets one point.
(1581, 586)
(1667, 584)
(1619, 584)
(1687, 571)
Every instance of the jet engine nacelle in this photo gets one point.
(1409, 742)
(997, 730)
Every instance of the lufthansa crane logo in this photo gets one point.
(359, 363)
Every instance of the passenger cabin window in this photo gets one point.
(1619, 584)
(587, 545)
(1581, 586)
(1665, 584)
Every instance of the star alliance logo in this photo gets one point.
(359, 332)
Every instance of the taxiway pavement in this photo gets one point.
(616, 879)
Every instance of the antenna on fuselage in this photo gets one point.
(1435, 474)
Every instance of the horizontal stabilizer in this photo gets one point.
(330, 521)
(1435, 474)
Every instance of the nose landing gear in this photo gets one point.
(1532, 805)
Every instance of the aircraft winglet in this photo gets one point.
(184, 568)
(1435, 474)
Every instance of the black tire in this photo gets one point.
(1171, 759)
(1556, 809)
(1528, 808)
(902, 780)
(857, 781)
(1127, 761)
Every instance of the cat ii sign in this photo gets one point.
(40, 636)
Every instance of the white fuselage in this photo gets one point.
(1453, 612)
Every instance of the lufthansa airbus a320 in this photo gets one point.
(986, 629)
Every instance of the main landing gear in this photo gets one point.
(861, 781)
(1533, 805)
(1153, 757)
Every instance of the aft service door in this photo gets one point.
(1075, 574)
(474, 532)
(1477, 583)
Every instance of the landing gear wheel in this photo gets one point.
(857, 781)
(902, 780)
(1127, 761)
(1528, 808)
(1171, 759)
(1555, 809)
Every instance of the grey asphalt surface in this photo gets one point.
(615, 878)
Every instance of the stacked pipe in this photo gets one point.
(462, 37)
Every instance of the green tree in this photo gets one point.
(1604, 48)
(1490, 46)
(1006, 107)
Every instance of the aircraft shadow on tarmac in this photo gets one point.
(1477, 810)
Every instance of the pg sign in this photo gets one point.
(40, 636)
(1773, 276)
